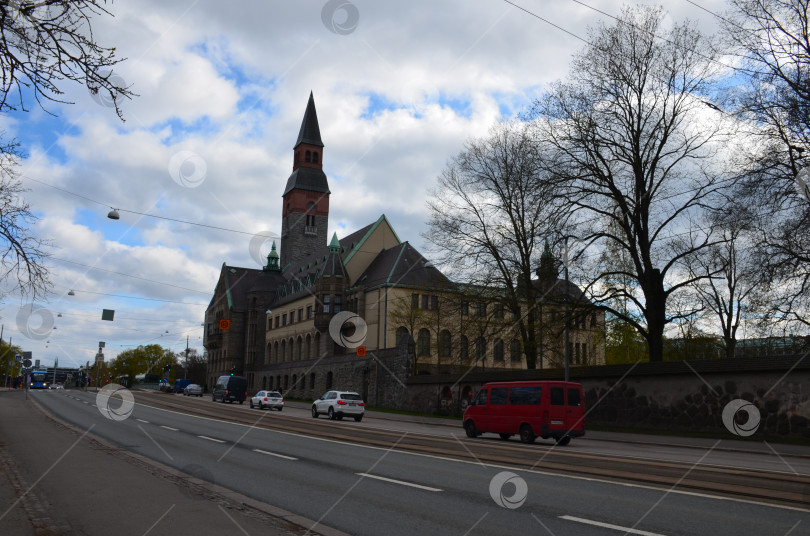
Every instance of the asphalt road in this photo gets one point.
(372, 490)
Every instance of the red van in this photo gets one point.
(531, 409)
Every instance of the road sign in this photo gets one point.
(27, 363)
(18, 357)
(224, 324)
(361, 351)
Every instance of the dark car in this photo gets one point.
(230, 389)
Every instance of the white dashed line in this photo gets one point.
(401, 482)
(260, 451)
(626, 530)
(143, 421)
(170, 428)
(210, 439)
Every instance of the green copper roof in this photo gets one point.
(334, 245)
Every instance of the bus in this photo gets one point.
(39, 379)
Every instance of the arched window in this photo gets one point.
(308, 347)
(514, 350)
(424, 342)
(286, 382)
(308, 157)
(328, 380)
(283, 351)
(312, 381)
(295, 381)
(315, 157)
(463, 349)
(497, 350)
(480, 348)
(300, 349)
(445, 343)
(403, 337)
(264, 383)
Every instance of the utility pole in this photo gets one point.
(567, 320)
(185, 367)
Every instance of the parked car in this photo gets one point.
(267, 399)
(336, 404)
(193, 389)
(230, 389)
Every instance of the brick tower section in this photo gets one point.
(305, 210)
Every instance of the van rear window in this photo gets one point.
(524, 396)
(574, 398)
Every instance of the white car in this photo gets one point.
(267, 399)
(336, 404)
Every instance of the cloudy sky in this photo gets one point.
(399, 86)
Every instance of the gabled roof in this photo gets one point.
(402, 265)
(238, 282)
(310, 131)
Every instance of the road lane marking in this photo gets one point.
(211, 439)
(170, 428)
(401, 482)
(495, 465)
(626, 530)
(260, 451)
(143, 421)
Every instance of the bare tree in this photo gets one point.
(44, 42)
(22, 255)
(726, 278)
(634, 154)
(772, 39)
(488, 215)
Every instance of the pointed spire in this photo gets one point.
(310, 131)
(272, 260)
(334, 245)
(548, 271)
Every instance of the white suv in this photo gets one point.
(336, 404)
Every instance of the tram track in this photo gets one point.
(773, 487)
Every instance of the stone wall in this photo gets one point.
(680, 396)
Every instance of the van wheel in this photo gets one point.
(314, 412)
(505, 436)
(331, 414)
(526, 434)
(469, 428)
(564, 440)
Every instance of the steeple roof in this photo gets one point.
(310, 131)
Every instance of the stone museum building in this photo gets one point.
(366, 311)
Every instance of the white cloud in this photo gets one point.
(230, 84)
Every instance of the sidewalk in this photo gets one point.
(59, 481)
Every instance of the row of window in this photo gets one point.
(282, 383)
(309, 156)
(423, 342)
(330, 303)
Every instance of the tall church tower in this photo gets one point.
(305, 213)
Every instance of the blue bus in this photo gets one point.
(39, 379)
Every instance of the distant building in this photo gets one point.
(278, 318)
